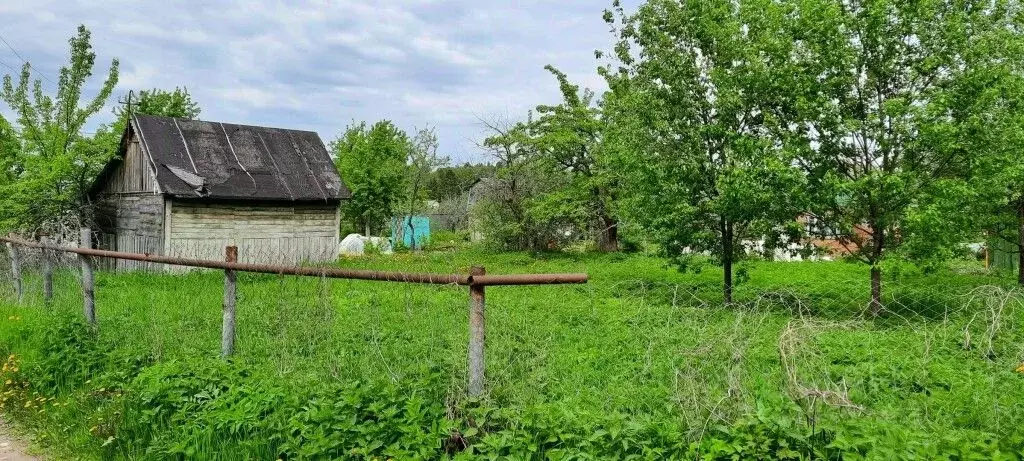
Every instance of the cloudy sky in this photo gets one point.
(321, 65)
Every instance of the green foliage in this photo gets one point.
(991, 127)
(888, 101)
(177, 103)
(10, 149)
(422, 160)
(567, 140)
(349, 369)
(51, 171)
(504, 210)
(691, 130)
(372, 162)
(358, 421)
(454, 181)
(69, 355)
(552, 177)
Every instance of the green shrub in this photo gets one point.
(69, 354)
(362, 421)
(447, 240)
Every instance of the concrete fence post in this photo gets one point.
(47, 276)
(227, 339)
(16, 271)
(88, 280)
(477, 334)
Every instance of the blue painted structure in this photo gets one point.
(401, 231)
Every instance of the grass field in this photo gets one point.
(641, 362)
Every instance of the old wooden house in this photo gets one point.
(190, 188)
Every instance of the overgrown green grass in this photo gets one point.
(641, 362)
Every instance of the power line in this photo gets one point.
(8, 66)
(12, 48)
(2, 39)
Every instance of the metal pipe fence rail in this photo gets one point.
(477, 279)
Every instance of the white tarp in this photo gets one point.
(356, 244)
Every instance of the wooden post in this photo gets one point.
(227, 339)
(47, 276)
(477, 334)
(88, 282)
(16, 271)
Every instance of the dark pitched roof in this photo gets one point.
(198, 159)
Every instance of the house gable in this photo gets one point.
(130, 173)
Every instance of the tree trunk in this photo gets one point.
(608, 235)
(1020, 245)
(876, 290)
(727, 254)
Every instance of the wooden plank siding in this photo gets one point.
(131, 213)
(1002, 255)
(273, 234)
(134, 175)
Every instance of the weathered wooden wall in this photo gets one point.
(1002, 255)
(273, 234)
(131, 213)
(134, 175)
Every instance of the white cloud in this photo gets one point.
(320, 64)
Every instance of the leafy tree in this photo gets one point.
(10, 149)
(507, 217)
(567, 139)
(701, 169)
(1000, 203)
(372, 162)
(444, 183)
(877, 105)
(991, 123)
(423, 160)
(551, 173)
(169, 103)
(54, 164)
(453, 181)
(176, 103)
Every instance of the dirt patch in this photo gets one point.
(12, 447)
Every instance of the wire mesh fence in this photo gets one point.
(942, 356)
(46, 255)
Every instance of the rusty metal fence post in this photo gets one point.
(227, 339)
(88, 280)
(477, 334)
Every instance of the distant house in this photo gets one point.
(830, 241)
(189, 188)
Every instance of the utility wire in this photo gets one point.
(16, 53)
(8, 66)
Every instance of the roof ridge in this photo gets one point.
(183, 119)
